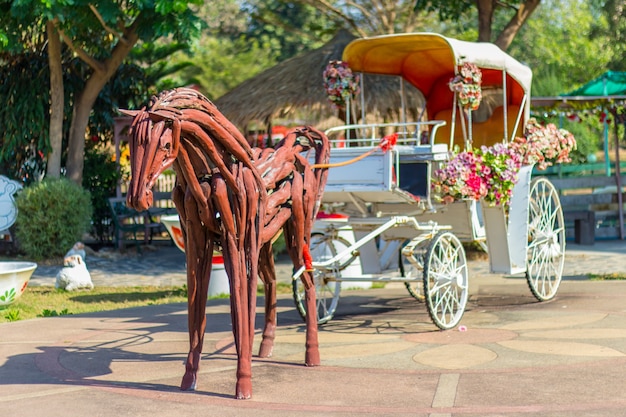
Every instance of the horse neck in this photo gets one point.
(191, 165)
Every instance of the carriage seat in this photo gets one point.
(485, 133)
(383, 179)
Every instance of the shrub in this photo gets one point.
(100, 179)
(52, 215)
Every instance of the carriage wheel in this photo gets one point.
(327, 288)
(410, 271)
(546, 240)
(445, 280)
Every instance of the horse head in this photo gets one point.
(153, 142)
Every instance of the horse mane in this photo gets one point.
(195, 120)
(189, 105)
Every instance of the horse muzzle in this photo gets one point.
(141, 200)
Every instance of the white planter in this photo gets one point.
(507, 236)
(14, 277)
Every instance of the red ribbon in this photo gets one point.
(308, 260)
(388, 142)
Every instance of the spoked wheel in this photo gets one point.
(327, 288)
(412, 267)
(445, 280)
(546, 240)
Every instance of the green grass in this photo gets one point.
(615, 276)
(50, 302)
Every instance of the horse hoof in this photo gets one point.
(312, 359)
(243, 396)
(266, 349)
(189, 383)
(243, 390)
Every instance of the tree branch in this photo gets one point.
(89, 60)
(522, 14)
(325, 5)
(110, 30)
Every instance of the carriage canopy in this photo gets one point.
(429, 60)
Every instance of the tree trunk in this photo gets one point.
(485, 19)
(517, 21)
(56, 101)
(84, 102)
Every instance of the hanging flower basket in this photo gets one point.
(340, 83)
(467, 85)
(544, 145)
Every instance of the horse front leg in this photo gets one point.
(199, 255)
(268, 276)
(235, 265)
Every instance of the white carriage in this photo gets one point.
(401, 233)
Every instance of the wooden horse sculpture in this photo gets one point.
(234, 198)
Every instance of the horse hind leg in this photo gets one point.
(267, 273)
(312, 353)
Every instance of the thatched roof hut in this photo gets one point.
(294, 88)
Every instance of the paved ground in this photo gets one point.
(381, 355)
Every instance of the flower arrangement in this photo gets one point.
(340, 83)
(544, 145)
(467, 84)
(488, 173)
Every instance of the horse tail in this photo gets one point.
(305, 138)
(322, 157)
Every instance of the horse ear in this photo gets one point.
(131, 113)
(157, 117)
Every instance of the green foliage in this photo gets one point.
(12, 315)
(220, 65)
(52, 216)
(560, 45)
(588, 139)
(24, 115)
(100, 179)
(244, 39)
(446, 9)
(289, 28)
(97, 30)
(53, 313)
(615, 14)
(615, 276)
